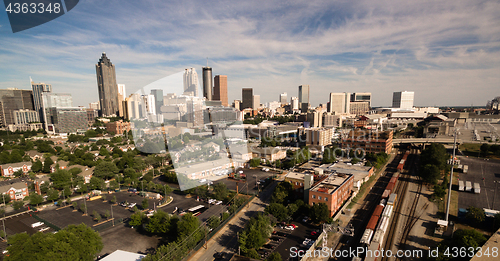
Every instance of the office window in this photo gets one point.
(313, 196)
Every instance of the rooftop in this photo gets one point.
(331, 183)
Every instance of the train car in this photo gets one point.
(378, 210)
(401, 165)
(378, 237)
(370, 255)
(387, 211)
(372, 223)
(390, 187)
(383, 224)
(392, 199)
(367, 237)
(386, 193)
(393, 180)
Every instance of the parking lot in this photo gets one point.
(487, 174)
(483, 130)
(292, 238)
(63, 217)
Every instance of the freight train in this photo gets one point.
(373, 236)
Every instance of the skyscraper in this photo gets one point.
(304, 97)
(220, 89)
(13, 99)
(38, 90)
(283, 98)
(190, 82)
(158, 94)
(340, 102)
(256, 102)
(362, 97)
(403, 100)
(207, 83)
(246, 98)
(121, 97)
(54, 100)
(108, 89)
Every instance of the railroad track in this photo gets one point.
(400, 190)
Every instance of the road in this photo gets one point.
(226, 239)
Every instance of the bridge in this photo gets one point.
(444, 140)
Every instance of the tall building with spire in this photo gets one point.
(106, 84)
(220, 90)
(191, 82)
(207, 83)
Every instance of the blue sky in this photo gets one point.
(448, 52)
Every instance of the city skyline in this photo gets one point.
(441, 51)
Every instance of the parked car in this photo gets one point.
(131, 205)
(220, 255)
(305, 219)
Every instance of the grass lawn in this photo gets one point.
(453, 203)
(474, 149)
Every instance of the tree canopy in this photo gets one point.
(75, 242)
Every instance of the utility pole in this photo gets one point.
(3, 220)
(451, 175)
(85, 203)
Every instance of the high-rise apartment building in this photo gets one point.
(14, 99)
(220, 90)
(304, 97)
(246, 98)
(283, 98)
(340, 102)
(207, 83)
(38, 90)
(132, 107)
(362, 97)
(106, 84)
(403, 100)
(25, 116)
(190, 78)
(256, 102)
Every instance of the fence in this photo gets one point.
(56, 228)
(109, 224)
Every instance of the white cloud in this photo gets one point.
(271, 46)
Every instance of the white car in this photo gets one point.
(289, 227)
(131, 205)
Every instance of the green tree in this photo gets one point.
(213, 222)
(160, 223)
(35, 199)
(275, 256)
(282, 192)
(468, 238)
(220, 191)
(60, 178)
(255, 162)
(187, 225)
(96, 183)
(475, 215)
(113, 200)
(46, 165)
(18, 173)
(37, 166)
(52, 194)
(430, 173)
(75, 242)
(320, 212)
(106, 214)
(279, 211)
(17, 204)
(137, 219)
(106, 170)
(145, 203)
